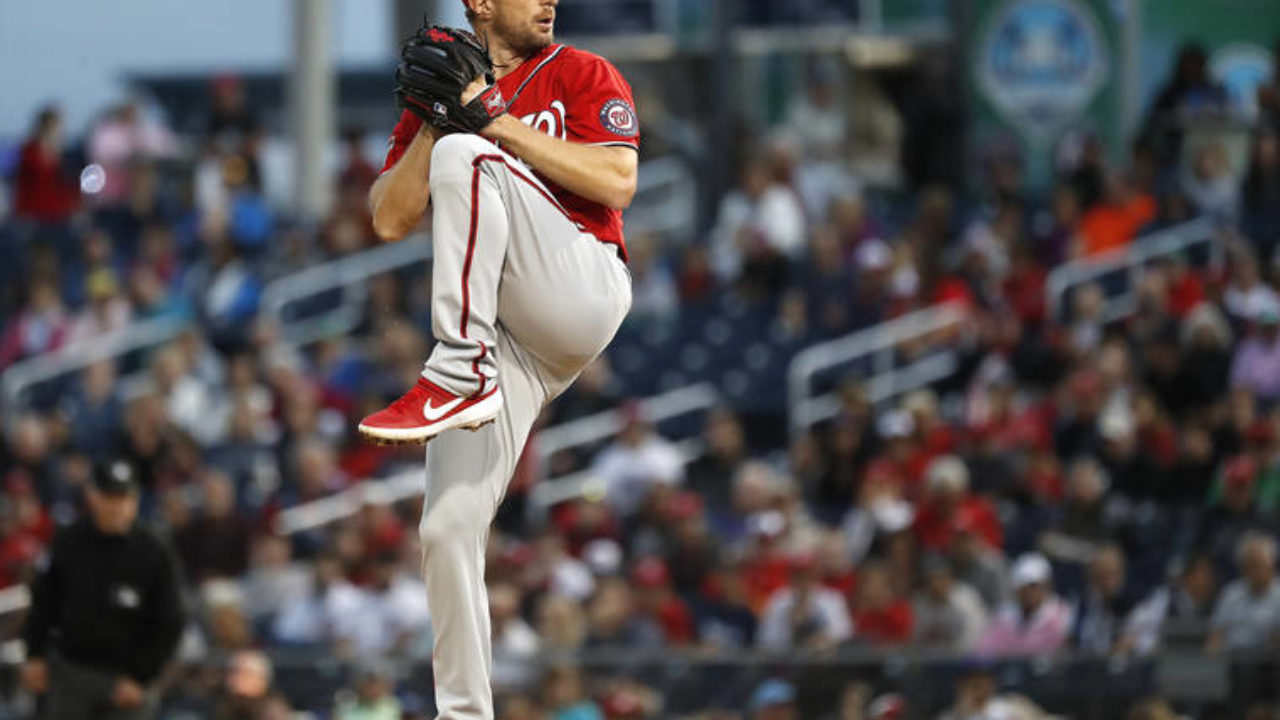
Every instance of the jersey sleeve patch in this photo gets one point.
(619, 118)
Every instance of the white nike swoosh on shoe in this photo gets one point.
(433, 414)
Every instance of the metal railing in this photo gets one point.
(575, 433)
(595, 428)
(22, 376)
(666, 200)
(342, 505)
(1131, 261)
(606, 424)
(586, 483)
(878, 342)
(347, 275)
(884, 386)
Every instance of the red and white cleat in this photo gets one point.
(426, 411)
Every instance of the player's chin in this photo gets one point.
(543, 34)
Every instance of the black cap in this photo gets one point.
(115, 476)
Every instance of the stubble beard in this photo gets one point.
(524, 40)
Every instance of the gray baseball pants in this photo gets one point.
(521, 297)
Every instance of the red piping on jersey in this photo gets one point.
(533, 72)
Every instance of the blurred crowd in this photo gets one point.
(1081, 484)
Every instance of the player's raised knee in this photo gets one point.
(459, 149)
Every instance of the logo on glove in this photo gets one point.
(438, 35)
(494, 103)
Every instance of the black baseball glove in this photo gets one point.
(436, 64)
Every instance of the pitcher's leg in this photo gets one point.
(563, 306)
(471, 235)
(467, 477)
(470, 238)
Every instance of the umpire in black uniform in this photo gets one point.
(106, 610)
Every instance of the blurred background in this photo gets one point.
(946, 313)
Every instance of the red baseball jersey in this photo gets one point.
(568, 94)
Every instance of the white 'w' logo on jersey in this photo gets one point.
(550, 122)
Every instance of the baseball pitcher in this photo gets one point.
(525, 151)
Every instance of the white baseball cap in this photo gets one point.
(896, 424)
(1116, 424)
(873, 254)
(947, 472)
(1030, 569)
(891, 515)
(603, 556)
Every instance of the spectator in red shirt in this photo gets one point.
(583, 521)
(1185, 287)
(30, 517)
(999, 415)
(902, 449)
(25, 529)
(694, 279)
(625, 703)
(948, 497)
(43, 192)
(691, 550)
(357, 171)
(879, 617)
(655, 599)
(1023, 288)
(767, 567)
(381, 531)
(938, 435)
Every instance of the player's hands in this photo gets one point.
(437, 77)
(34, 675)
(492, 129)
(127, 694)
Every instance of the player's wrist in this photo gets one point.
(429, 131)
(497, 130)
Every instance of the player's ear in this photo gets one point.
(482, 10)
